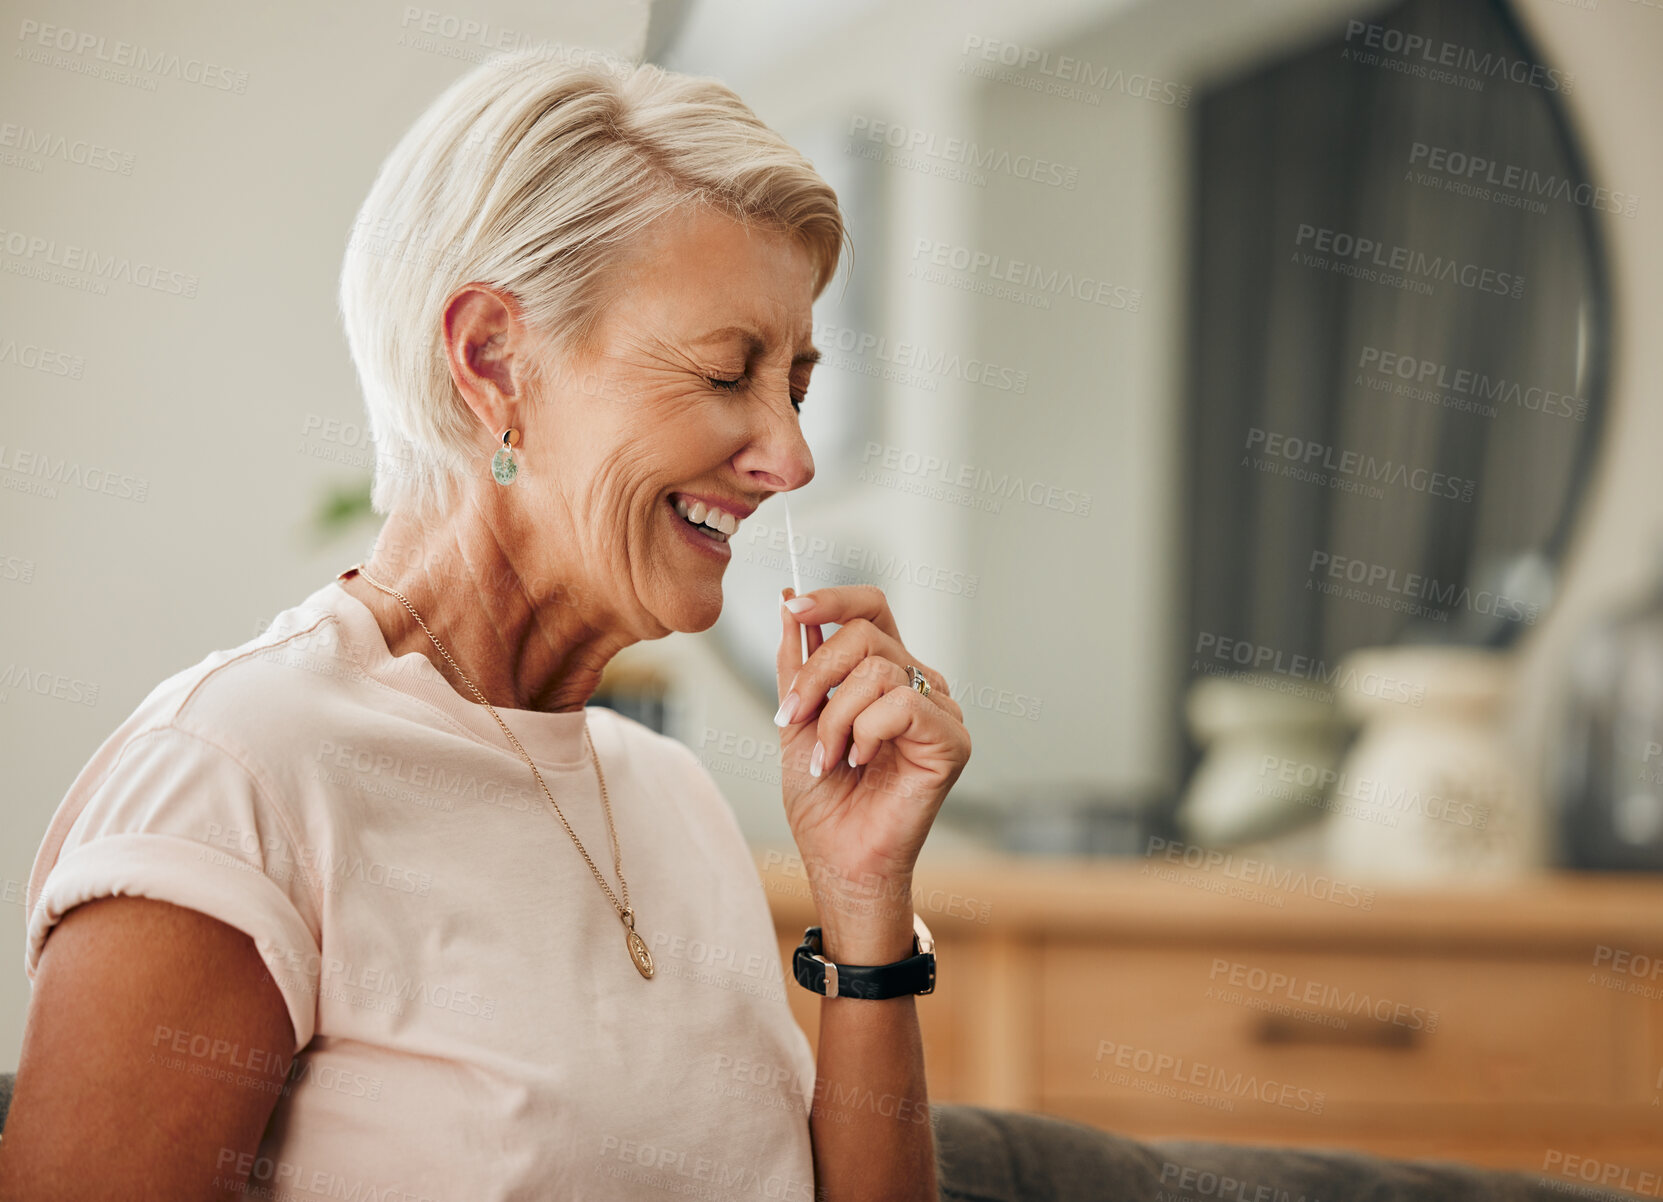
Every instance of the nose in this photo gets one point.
(777, 457)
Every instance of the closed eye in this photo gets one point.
(734, 386)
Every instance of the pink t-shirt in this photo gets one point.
(468, 1022)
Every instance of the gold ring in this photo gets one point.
(918, 681)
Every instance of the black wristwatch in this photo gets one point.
(915, 974)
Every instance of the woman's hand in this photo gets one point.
(860, 828)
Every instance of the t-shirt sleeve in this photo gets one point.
(177, 818)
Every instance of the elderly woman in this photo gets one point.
(373, 906)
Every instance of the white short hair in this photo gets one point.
(533, 173)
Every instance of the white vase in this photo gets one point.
(1429, 791)
(1266, 755)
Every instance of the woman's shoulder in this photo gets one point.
(249, 701)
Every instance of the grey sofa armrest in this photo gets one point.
(989, 1155)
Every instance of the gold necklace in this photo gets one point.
(638, 953)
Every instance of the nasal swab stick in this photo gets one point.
(796, 578)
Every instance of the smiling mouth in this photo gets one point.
(712, 523)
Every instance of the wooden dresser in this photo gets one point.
(1516, 1026)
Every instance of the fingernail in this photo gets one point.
(815, 759)
(798, 604)
(787, 710)
(852, 763)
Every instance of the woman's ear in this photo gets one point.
(483, 346)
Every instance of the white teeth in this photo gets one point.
(700, 514)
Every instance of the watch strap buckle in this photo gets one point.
(913, 975)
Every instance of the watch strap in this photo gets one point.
(913, 975)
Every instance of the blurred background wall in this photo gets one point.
(214, 415)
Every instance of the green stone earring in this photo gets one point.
(503, 467)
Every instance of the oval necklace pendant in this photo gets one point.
(638, 952)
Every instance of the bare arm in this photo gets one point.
(863, 774)
(870, 1115)
(127, 1085)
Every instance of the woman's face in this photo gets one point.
(685, 401)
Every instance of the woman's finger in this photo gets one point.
(938, 689)
(835, 657)
(844, 603)
(904, 713)
(871, 678)
(788, 656)
(831, 661)
(867, 602)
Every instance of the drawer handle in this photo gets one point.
(1370, 1033)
